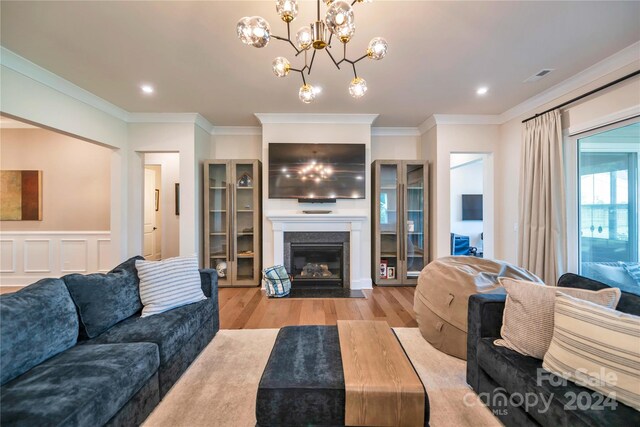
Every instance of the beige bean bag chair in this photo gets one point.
(442, 295)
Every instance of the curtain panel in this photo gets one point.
(542, 243)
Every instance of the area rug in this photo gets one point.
(219, 388)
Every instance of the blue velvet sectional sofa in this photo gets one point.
(500, 375)
(75, 351)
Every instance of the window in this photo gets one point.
(608, 206)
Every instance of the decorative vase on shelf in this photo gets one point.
(245, 180)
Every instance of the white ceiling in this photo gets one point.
(439, 53)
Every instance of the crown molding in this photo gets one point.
(623, 58)
(297, 118)
(237, 130)
(7, 123)
(425, 126)
(35, 72)
(188, 118)
(395, 131)
(466, 119)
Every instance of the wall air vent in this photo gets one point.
(537, 76)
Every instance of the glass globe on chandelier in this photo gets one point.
(339, 21)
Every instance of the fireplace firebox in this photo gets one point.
(317, 260)
(317, 264)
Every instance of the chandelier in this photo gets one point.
(339, 20)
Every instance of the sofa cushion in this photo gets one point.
(105, 299)
(38, 322)
(83, 386)
(551, 399)
(170, 283)
(629, 302)
(528, 313)
(170, 330)
(596, 347)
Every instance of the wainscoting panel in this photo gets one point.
(7, 256)
(73, 256)
(37, 255)
(28, 256)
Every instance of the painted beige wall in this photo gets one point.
(463, 139)
(164, 137)
(236, 147)
(395, 147)
(76, 179)
(582, 115)
(315, 133)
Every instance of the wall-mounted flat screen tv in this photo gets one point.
(317, 171)
(472, 207)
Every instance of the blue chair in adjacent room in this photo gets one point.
(460, 245)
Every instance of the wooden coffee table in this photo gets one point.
(355, 373)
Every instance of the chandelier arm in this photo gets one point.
(332, 59)
(361, 58)
(318, 10)
(311, 64)
(289, 41)
(355, 74)
(301, 71)
(344, 51)
(354, 2)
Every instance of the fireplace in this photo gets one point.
(318, 260)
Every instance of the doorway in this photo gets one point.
(152, 239)
(161, 228)
(469, 206)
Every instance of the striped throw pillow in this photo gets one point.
(527, 325)
(596, 347)
(168, 284)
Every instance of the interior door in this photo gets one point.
(150, 226)
(388, 215)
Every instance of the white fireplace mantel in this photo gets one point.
(351, 222)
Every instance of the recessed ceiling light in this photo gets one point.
(482, 90)
(146, 89)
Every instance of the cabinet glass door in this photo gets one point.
(414, 230)
(388, 222)
(219, 217)
(245, 205)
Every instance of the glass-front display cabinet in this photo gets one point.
(400, 222)
(232, 204)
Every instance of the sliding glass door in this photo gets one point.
(608, 206)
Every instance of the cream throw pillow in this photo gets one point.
(168, 284)
(596, 347)
(527, 324)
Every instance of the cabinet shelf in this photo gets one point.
(233, 219)
(403, 187)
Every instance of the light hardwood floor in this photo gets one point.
(249, 308)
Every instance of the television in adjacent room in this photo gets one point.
(316, 172)
(472, 207)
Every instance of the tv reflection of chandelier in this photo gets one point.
(339, 19)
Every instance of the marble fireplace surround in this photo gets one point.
(283, 222)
